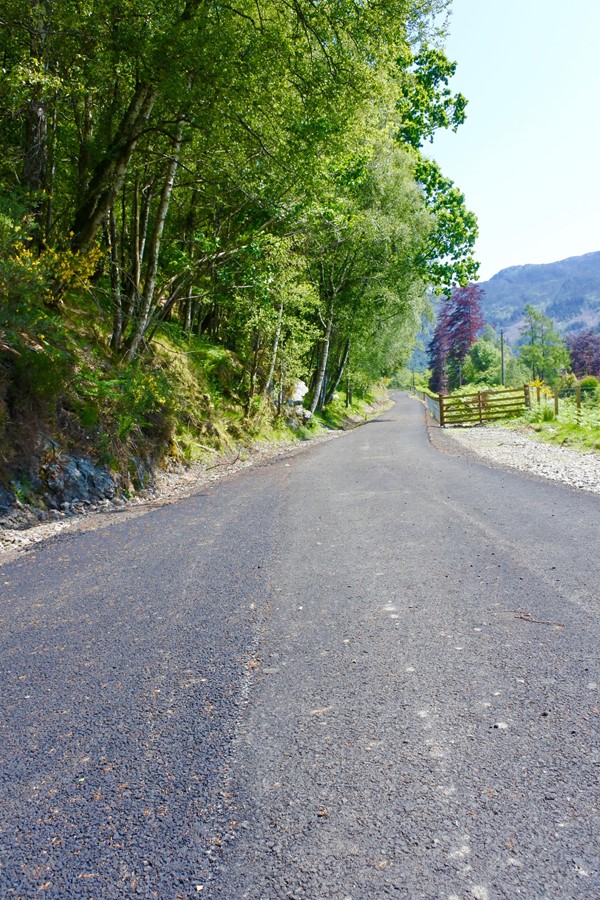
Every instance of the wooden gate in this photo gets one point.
(484, 406)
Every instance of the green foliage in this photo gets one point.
(484, 363)
(543, 351)
(427, 103)
(256, 214)
(543, 412)
(448, 256)
(567, 384)
(590, 387)
(573, 428)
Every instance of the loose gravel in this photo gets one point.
(499, 446)
(20, 530)
(520, 450)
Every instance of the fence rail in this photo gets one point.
(476, 408)
(432, 403)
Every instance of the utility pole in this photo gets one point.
(502, 355)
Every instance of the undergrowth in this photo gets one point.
(579, 430)
(63, 391)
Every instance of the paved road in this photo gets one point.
(369, 670)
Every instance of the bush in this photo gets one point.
(567, 384)
(590, 387)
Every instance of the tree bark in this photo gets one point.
(108, 176)
(253, 371)
(35, 161)
(338, 375)
(146, 300)
(115, 283)
(269, 381)
(323, 358)
(35, 165)
(51, 171)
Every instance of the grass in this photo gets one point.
(337, 415)
(63, 389)
(579, 431)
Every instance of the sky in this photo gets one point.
(528, 156)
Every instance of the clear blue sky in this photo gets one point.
(528, 156)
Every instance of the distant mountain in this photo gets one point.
(568, 291)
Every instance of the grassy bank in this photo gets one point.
(64, 394)
(579, 430)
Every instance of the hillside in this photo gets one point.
(568, 291)
(182, 243)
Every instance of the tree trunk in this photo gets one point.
(115, 283)
(86, 129)
(269, 381)
(164, 313)
(36, 152)
(35, 162)
(280, 391)
(147, 297)
(253, 371)
(109, 174)
(338, 375)
(324, 356)
(51, 172)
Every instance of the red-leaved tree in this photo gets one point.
(459, 323)
(584, 349)
(437, 351)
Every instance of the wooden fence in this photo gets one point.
(475, 409)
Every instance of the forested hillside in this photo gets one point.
(201, 204)
(567, 291)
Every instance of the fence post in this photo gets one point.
(538, 392)
(578, 396)
(527, 392)
(480, 405)
(556, 402)
(442, 415)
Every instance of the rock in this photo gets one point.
(69, 479)
(300, 392)
(7, 500)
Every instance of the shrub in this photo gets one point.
(590, 387)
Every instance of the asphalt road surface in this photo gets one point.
(366, 671)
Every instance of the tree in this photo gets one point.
(437, 350)
(584, 350)
(483, 365)
(465, 321)
(426, 105)
(267, 191)
(459, 322)
(543, 350)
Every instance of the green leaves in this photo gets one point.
(427, 103)
(448, 259)
(543, 350)
(297, 185)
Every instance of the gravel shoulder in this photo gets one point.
(494, 445)
(521, 450)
